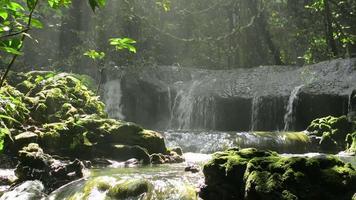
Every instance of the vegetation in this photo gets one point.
(335, 133)
(212, 34)
(59, 113)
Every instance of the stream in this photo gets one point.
(171, 181)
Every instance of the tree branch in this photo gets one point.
(21, 45)
(16, 33)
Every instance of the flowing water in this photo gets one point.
(169, 182)
(113, 95)
(289, 118)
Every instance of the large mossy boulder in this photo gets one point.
(255, 174)
(331, 132)
(59, 112)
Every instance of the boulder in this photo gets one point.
(331, 131)
(255, 174)
(28, 190)
(129, 189)
(34, 164)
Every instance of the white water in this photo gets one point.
(289, 117)
(112, 96)
(181, 113)
(254, 112)
(212, 141)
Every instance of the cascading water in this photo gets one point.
(289, 118)
(182, 110)
(254, 112)
(112, 97)
(212, 141)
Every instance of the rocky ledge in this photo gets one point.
(254, 174)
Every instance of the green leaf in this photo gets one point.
(94, 54)
(9, 118)
(11, 50)
(123, 43)
(3, 13)
(55, 4)
(3, 133)
(36, 23)
(15, 6)
(31, 4)
(96, 4)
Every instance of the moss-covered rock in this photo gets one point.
(351, 143)
(254, 174)
(331, 131)
(130, 188)
(58, 111)
(34, 164)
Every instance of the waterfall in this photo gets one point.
(182, 110)
(254, 112)
(112, 99)
(289, 118)
(204, 113)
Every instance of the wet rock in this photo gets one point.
(122, 152)
(25, 138)
(157, 159)
(254, 174)
(131, 162)
(332, 131)
(178, 150)
(7, 177)
(351, 143)
(34, 164)
(192, 168)
(28, 190)
(6, 162)
(130, 188)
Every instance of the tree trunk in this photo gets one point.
(329, 29)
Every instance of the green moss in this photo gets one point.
(130, 188)
(69, 119)
(351, 143)
(332, 130)
(266, 175)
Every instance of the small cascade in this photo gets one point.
(204, 116)
(351, 112)
(289, 118)
(182, 110)
(254, 113)
(112, 98)
(212, 141)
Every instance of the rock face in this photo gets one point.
(254, 174)
(231, 100)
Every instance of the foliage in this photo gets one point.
(123, 43)
(94, 54)
(207, 33)
(18, 17)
